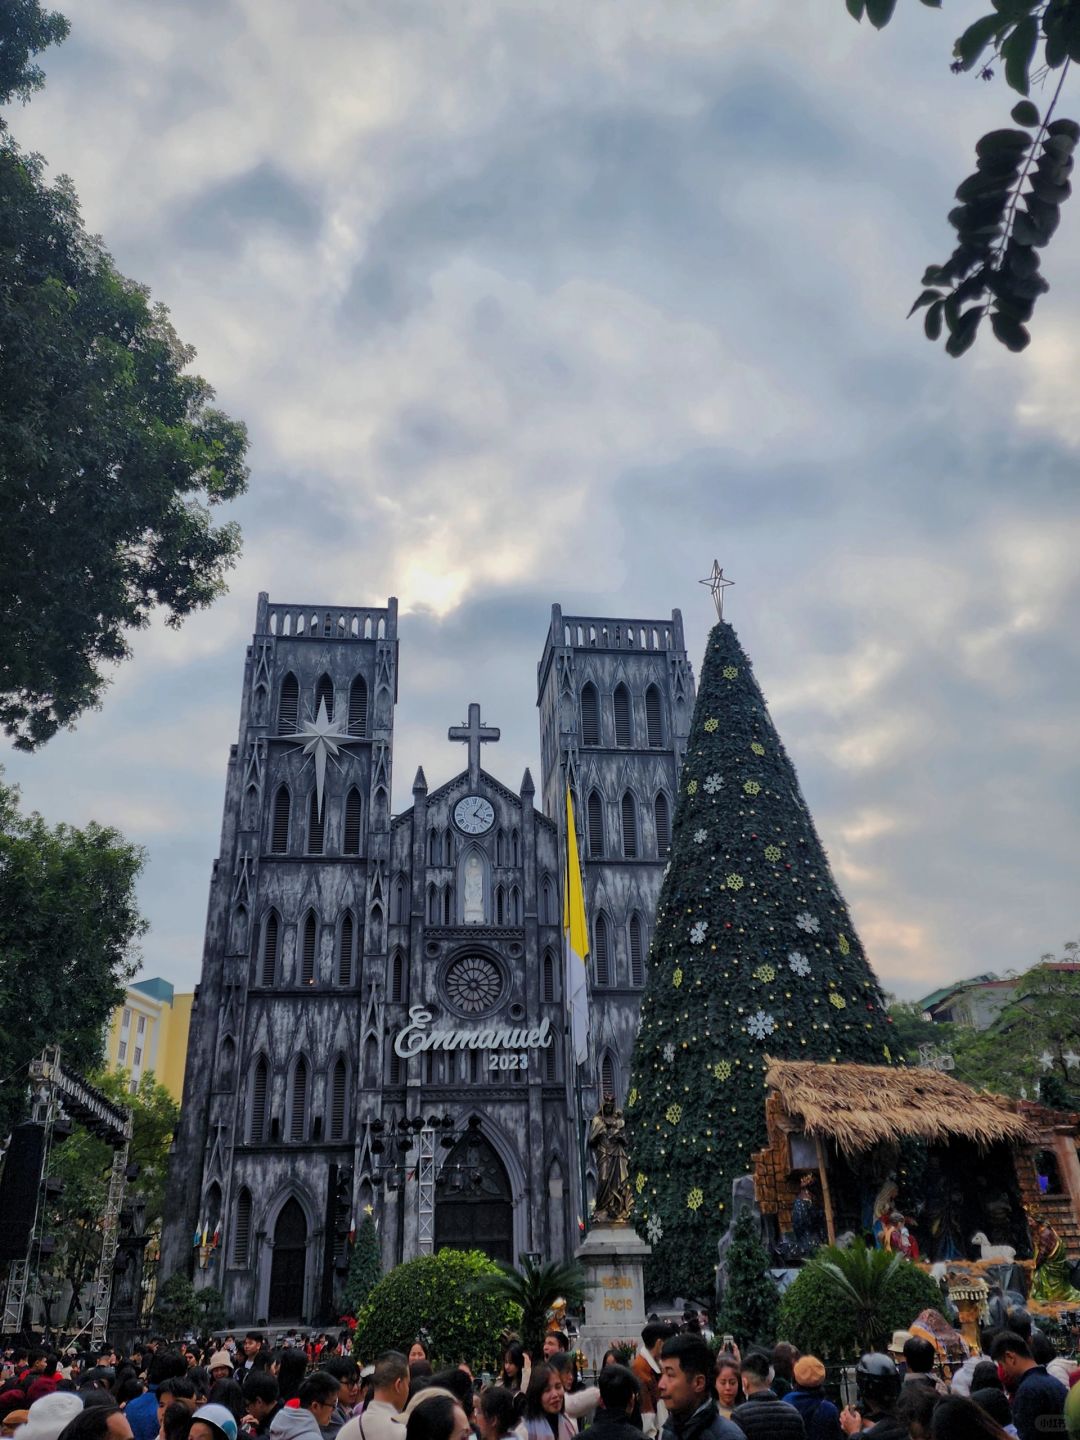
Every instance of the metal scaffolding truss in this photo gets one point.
(426, 1200)
(55, 1090)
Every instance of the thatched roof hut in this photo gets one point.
(858, 1106)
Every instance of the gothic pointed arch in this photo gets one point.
(358, 707)
(270, 948)
(474, 1202)
(298, 1100)
(548, 974)
(609, 1075)
(240, 1246)
(654, 717)
(353, 826)
(279, 826)
(590, 714)
(315, 828)
(288, 705)
(628, 815)
(602, 966)
(399, 901)
(662, 822)
(324, 695)
(338, 1099)
(624, 716)
(258, 1110)
(397, 977)
(594, 825)
(547, 902)
(371, 1063)
(637, 950)
(346, 948)
(473, 885)
(307, 958)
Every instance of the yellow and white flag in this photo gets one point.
(576, 934)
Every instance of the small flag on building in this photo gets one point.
(576, 932)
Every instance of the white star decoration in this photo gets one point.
(321, 740)
(1071, 1058)
(1046, 1060)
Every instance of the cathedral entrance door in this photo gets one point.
(288, 1266)
(474, 1208)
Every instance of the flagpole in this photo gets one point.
(578, 1097)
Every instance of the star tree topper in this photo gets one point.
(717, 585)
(322, 740)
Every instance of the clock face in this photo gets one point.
(474, 815)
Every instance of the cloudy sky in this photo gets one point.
(537, 300)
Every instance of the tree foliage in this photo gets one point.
(843, 1302)
(533, 1290)
(69, 924)
(434, 1295)
(181, 1309)
(754, 954)
(1041, 1019)
(1010, 205)
(749, 1308)
(26, 28)
(83, 1163)
(365, 1267)
(112, 460)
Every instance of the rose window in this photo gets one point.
(473, 984)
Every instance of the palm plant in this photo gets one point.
(535, 1288)
(863, 1278)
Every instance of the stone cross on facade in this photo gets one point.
(474, 734)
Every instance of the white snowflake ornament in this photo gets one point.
(700, 836)
(761, 1025)
(669, 1052)
(807, 922)
(799, 963)
(713, 783)
(654, 1229)
(697, 932)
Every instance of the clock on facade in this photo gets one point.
(474, 815)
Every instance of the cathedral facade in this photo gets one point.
(380, 1025)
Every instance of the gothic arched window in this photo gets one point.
(371, 1063)
(432, 905)
(595, 825)
(515, 906)
(397, 977)
(315, 826)
(270, 942)
(324, 695)
(551, 1074)
(241, 1236)
(288, 705)
(515, 848)
(279, 831)
(500, 905)
(608, 1076)
(637, 951)
(358, 707)
(629, 827)
(298, 1102)
(601, 950)
(258, 1101)
(654, 717)
(399, 905)
(590, 715)
(350, 839)
(338, 1092)
(307, 950)
(547, 902)
(547, 988)
(624, 730)
(500, 846)
(345, 949)
(662, 821)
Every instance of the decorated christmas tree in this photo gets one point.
(754, 955)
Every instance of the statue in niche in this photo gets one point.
(607, 1141)
(474, 890)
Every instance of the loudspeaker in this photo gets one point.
(19, 1189)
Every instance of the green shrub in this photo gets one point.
(748, 1311)
(821, 1319)
(435, 1294)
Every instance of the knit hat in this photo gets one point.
(222, 1419)
(49, 1415)
(219, 1360)
(808, 1372)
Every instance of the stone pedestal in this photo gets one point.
(614, 1259)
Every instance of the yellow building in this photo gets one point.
(149, 1032)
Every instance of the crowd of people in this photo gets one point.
(676, 1387)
